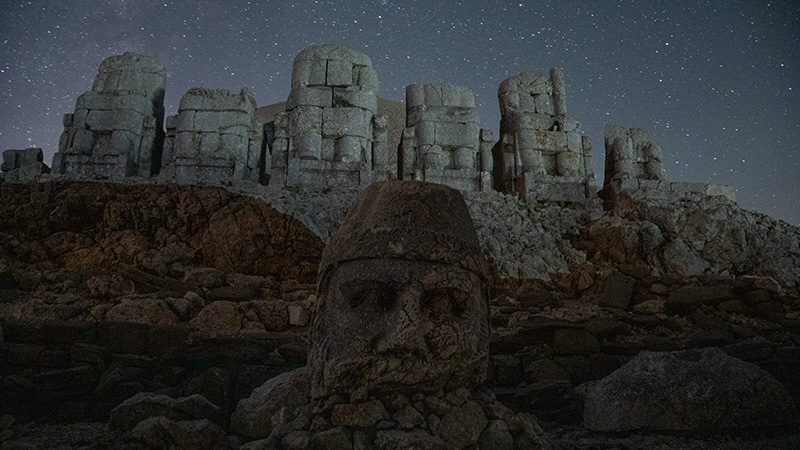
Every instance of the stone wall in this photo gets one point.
(542, 153)
(442, 141)
(330, 134)
(214, 139)
(116, 129)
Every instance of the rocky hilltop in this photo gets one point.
(158, 286)
(110, 290)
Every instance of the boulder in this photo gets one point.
(146, 405)
(687, 390)
(252, 417)
(160, 432)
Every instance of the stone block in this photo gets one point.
(339, 73)
(367, 79)
(574, 142)
(526, 103)
(203, 99)
(125, 120)
(435, 157)
(349, 149)
(308, 146)
(543, 105)
(464, 158)
(352, 96)
(209, 144)
(308, 73)
(347, 122)
(280, 152)
(459, 96)
(67, 120)
(457, 134)
(569, 165)
(713, 190)
(306, 119)
(433, 95)
(415, 95)
(219, 121)
(108, 102)
(310, 96)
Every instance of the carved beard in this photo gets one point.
(407, 372)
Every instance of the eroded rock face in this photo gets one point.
(402, 296)
(687, 390)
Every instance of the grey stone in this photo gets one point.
(127, 95)
(332, 136)
(539, 145)
(253, 415)
(401, 440)
(365, 414)
(443, 134)
(162, 432)
(146, 405)
(462, 426)
(687, 390)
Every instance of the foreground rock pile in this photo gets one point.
(109, 291)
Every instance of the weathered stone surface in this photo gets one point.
(617, 291)
(444, 140)
(116, 129)
(540, 148)
(253, 416)
(331, 133)
(687, 390)
(395, 335)
(397, 440)
(22, 166)
(572, 341)
(215, 139)
(365, 414)
(146, 405)
(462, 426)
(162, 432)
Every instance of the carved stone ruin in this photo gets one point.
(542, 154)
(116, 130)
(402, 299)
(330, 134)
(213, 139)
(633, 163)
(22, 166)
(442, 141)
(631, 154)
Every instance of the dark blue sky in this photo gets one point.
(717, 83)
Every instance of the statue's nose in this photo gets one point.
(406, 333)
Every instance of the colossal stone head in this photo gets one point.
(402, 295)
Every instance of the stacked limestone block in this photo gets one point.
(633, 163)
(22, 166)
(542, 153)
(214, 139)
(442, 141)
(330, 134)
(116, 130)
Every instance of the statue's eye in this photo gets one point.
(441, 303)
(377, 297)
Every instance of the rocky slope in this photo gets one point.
(107, 291)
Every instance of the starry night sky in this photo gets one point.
(717, 83)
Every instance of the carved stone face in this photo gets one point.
(399, 325)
